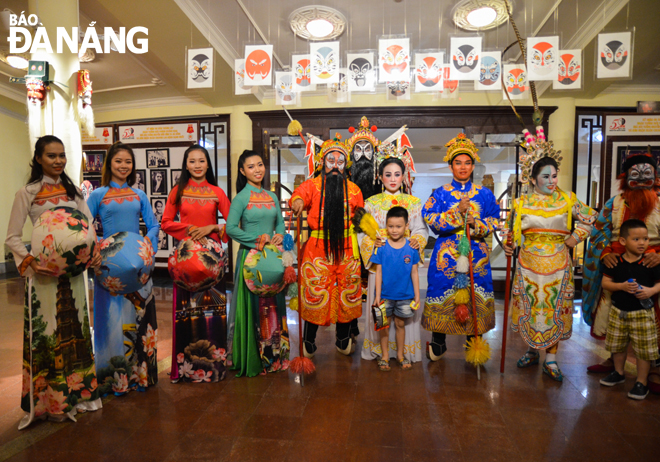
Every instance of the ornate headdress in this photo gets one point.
(315, 158)
(537, 148)
(362, 133)
(396, 146)
(461, 145)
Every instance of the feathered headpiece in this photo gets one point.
(315, 158)
(397, 145)
(461, 145)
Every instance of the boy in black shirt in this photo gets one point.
(631, 284)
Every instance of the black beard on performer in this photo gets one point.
(362, 174)
(335, 197)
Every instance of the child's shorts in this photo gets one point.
(400, 308)
(637, 327)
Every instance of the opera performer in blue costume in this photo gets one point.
(446, 212)
(125, 327)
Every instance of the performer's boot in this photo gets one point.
(309, 339)
(437, 348)
(355, 330)
(345, 342)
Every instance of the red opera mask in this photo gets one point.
(516, 81)
(395, 59)
(36, 91)
(257, 63)
(303, 72)
(543, 56)
(428, 73)
(569, 69)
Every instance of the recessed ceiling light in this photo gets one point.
(317, 22)
(18, 62)
(482, 17)
(480, 14)
(319, 28)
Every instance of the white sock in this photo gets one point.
(551, 357)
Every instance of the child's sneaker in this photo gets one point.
(639, 391)
(614, 378)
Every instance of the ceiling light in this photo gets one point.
(481, 17)
(17, 61)
(319, 28)
(480, 14)
(317, 23)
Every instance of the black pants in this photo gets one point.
(343, 333)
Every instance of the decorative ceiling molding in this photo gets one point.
(15, 94)
(12, 114)
(218, 41)
(150, 103)
(589, 30)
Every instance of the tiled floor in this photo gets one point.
(347, 410)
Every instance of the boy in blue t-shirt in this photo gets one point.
(397, 283)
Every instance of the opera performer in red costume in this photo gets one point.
(330, 273)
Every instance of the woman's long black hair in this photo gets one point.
(37, 172)
(241, 180)
(185, 174)
(393, 160)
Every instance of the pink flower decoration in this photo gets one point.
(85, 394)
(143, 374)
(57, 219)
(146, 253)
(48, 242)
(201, 376)
(40, 383)
(74, 382)
(150, 340)
(179, 358)
(93, 385)
(219, 354)
(53, 401)
(120, 384)
(83, 256)
(113, 284)
(186, 370)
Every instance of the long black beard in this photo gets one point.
(362, 174)
(334, 194)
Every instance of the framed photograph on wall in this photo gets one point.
(158, 206)
(174, 176)
(159, 182)
(94, 161)
(140, 180)
(157, 158)
(163, 243)
(95, 181)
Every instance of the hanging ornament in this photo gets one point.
(85, 112)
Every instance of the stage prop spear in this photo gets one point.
(477, 349)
